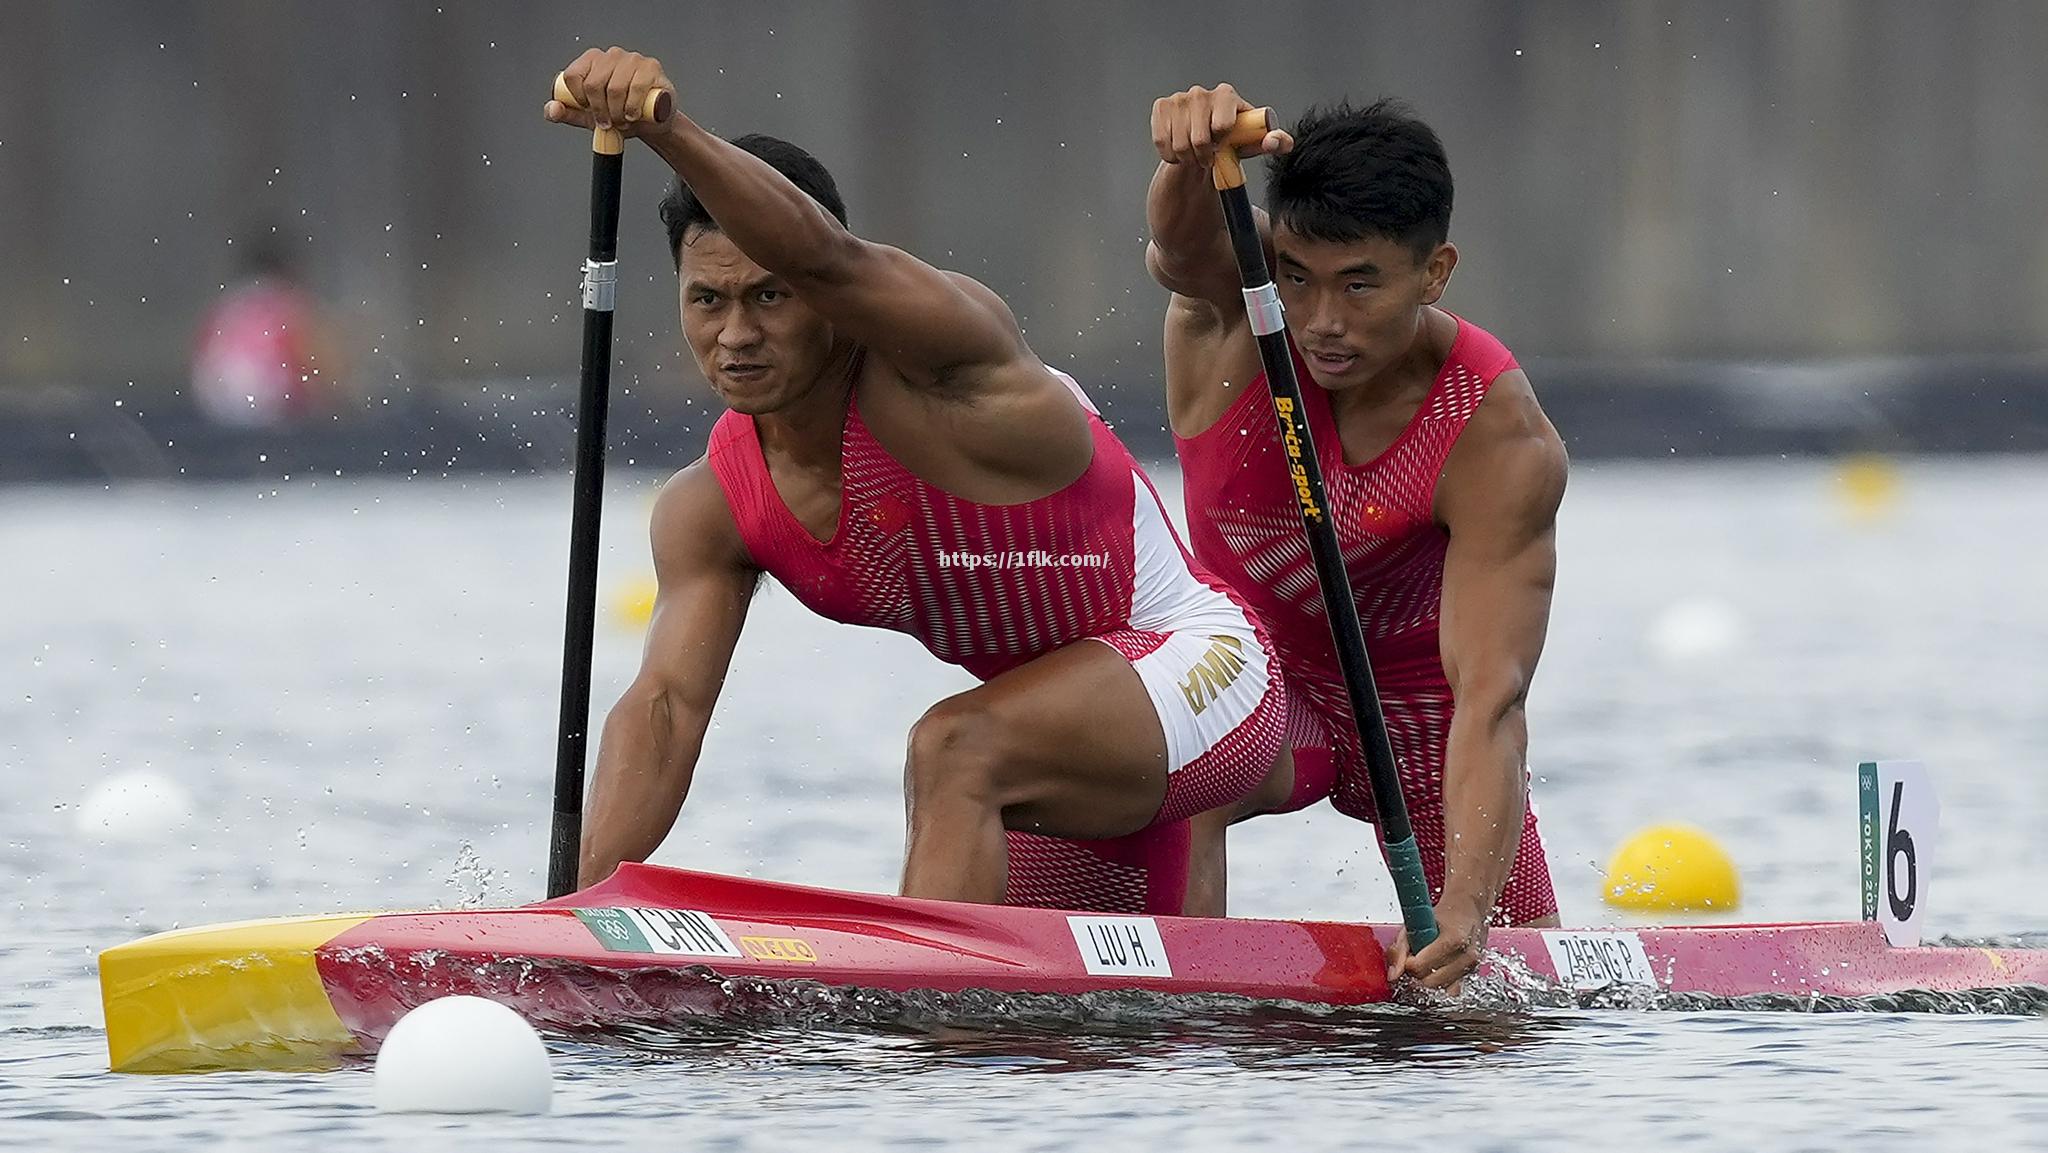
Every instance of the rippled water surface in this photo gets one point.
(355, 682)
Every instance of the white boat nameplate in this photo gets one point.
(672, 932)
(1595, 960)
(1120, 946)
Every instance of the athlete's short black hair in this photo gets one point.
(1357, 173)
(681, 210)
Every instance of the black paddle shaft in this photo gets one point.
(593, 402)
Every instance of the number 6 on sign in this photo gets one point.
(1901, 820)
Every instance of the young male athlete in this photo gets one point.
(896, 456)
(1443, 476)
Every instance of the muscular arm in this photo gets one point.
(1210, 351)
(931, 325)
(1189, 254)
(1498, 498)
(648, 751)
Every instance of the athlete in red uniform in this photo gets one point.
(1443, 476)
(897, 457)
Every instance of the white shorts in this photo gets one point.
(1220, 705)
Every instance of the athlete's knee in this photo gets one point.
(956, 749)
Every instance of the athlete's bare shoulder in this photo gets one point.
(1004, 367)
(1508, 461)
(981, 294)
(692, 526)
(1511, 410)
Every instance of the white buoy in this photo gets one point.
(1695, 629)
(137, 806)
(463, 1055)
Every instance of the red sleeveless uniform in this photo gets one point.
(992, 587)
(1244, 526)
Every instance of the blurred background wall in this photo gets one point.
(1812, 182)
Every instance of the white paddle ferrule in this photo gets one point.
(1262, 306)
(600, 284)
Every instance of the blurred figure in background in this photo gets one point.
(263, 357)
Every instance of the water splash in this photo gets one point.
(476, 885)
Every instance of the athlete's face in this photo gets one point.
(1355, 307)
(760, 347)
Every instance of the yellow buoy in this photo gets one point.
(1868, 485)
(1672, 867)
(633, 602)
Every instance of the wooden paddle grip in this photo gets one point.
(659, 103)
(1249, 132)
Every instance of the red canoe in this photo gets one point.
(655, 945)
